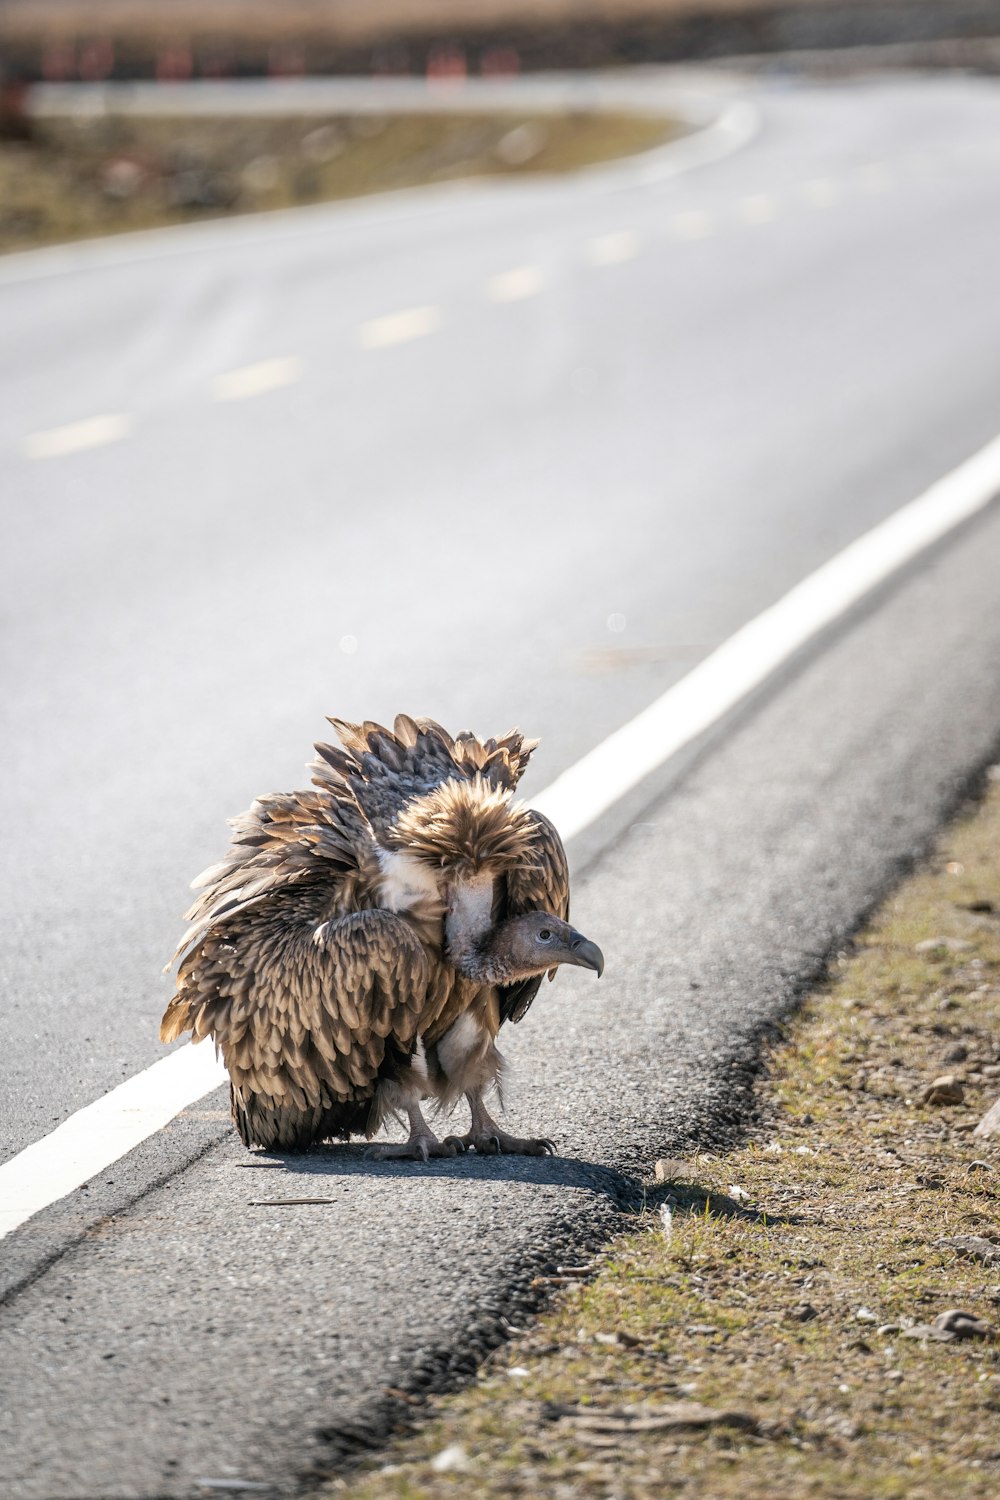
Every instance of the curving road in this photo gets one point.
(521, 453)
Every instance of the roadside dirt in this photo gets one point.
(815, 1314)
(78, 177)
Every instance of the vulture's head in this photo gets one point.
(536, 943)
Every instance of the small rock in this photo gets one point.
(122, 178)
(518, 1372)
(929, 1332)
(701, 1328)
(963, 1325)
(973, 1247)
(865, 1315)
(666, 1220)
(805, 1312)
(672, 1169)
(323, 144)
(522, 144)
(944, 1090)
(262, 174)
(990, 1123)
(594, 1423)
(946, 944)
(886, 1328)
(453, 1459)
(740, 1194)
(957, 1054)
(979, 1166)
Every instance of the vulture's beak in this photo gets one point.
(586, 954)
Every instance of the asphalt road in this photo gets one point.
(693, 391)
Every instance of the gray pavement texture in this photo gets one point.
(678, 439)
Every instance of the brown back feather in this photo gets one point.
(385, 770)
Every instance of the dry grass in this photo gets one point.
(81, 177)
(791, 1268)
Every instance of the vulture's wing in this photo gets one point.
(304, 1012)
(386, 770)
(305, 984)
(539, 885)
(301, 839)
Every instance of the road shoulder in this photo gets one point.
(814, 1312)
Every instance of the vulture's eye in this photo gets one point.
(545, 934)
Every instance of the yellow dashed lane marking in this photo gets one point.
(821, 192)
(692, 225)
(759, 208)
(92, 432)
(512, 286)
(253, 380)
(612, 249)
(398, 328)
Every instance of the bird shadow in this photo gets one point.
(302, 1179)
(328, 1162)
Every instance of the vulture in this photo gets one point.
(360, 945)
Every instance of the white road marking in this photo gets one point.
(253, 380)
(760, 208)
(594, 784)
(512, 286)
(92, 432)
(94, 1137)
(612, 249)
(397, 328)
(90, 1140)
(692, 225)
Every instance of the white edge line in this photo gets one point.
(601, 778)
(101, 1133)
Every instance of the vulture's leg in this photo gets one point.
(488, 1139)
(422, 1142)
(474, 1067)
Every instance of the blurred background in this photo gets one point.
(77, 159)
(175, 39)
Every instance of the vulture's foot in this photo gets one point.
(488, 1139)
(417, 1148)
(496, 1142)
(422, 1144)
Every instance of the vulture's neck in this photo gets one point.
(469, 927)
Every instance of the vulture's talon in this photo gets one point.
(458, 1142)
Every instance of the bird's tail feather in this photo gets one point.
(277, 1126)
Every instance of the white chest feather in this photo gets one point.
(407, 883)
